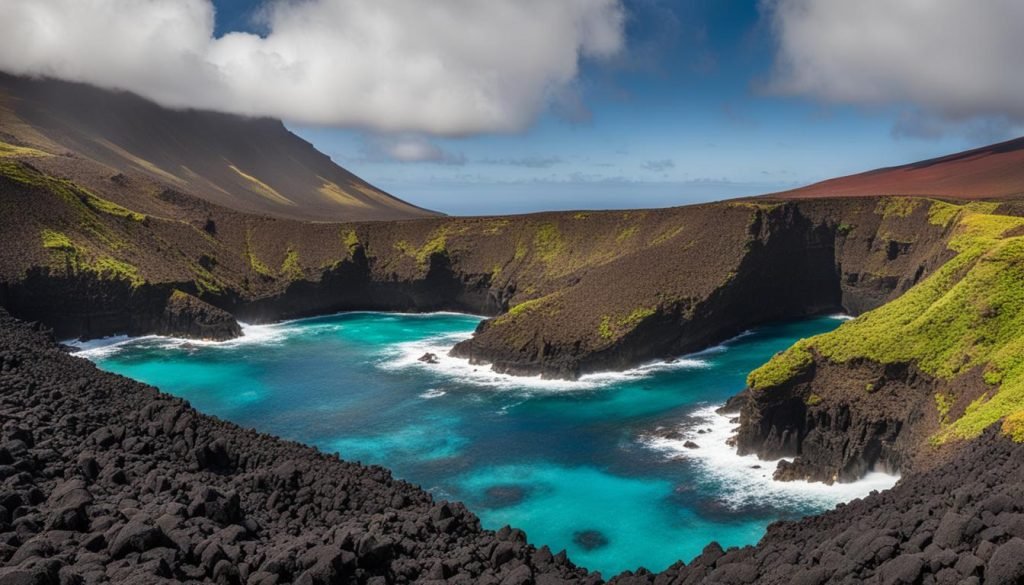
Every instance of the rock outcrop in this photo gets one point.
(186, 316)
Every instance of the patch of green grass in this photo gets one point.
(206, 282)
(889, 207)
(436, 243)
(813, 400)
(109, 267)
(547, 243)
(781, 368)
(56, 240)
(68, 190)
(610, 327)
(941, 213)
(76, 259)
(109, 207)
(11, 150)
(943, 402)
(255, 263)
(350, 239)
(1013, 426)
(291, 268)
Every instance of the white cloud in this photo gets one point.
(408, 148)
(444, 67)
(955, 59)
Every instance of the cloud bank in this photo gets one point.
(954, 59)
(441, 67)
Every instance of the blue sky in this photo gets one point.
(684, 113)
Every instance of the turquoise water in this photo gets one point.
(589, 466)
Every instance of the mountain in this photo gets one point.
(989, 172)
(253, 165)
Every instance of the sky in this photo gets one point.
(508, 106)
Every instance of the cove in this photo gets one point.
(598, 467)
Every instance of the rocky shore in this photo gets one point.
(107, 480)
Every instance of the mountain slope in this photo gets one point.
(251, 165)
(989, 172)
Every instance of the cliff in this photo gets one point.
(904, 383)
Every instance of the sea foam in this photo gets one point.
(407, 356)
(746, 480)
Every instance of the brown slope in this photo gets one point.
(990, 172)
(248, 164)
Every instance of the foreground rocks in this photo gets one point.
(105, 480)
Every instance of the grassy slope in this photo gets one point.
(968, 314)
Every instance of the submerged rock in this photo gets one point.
(590, 539)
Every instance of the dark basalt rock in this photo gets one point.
(116, 482)
(186, 316)
(429, 358)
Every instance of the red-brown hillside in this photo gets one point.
(990, 172)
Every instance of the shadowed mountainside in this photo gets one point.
(989, 172)
(252, 165)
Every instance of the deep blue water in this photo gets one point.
(558, 459)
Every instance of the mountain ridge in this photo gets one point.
(995, 171)
(255, 165)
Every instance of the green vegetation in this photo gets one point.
(547, 243)
(111, 208)
(11, 150)
(57, 241)
(206, 282)
(610, 327)
(1013, 426)
(350, 240)
(255, 263)
(845, 229)
(784, 366)
(437, 243)
(889, 207)
(580, 215)
(70, 191)
(291, 268)
(968, 314)
(943, 402)
(813, 400)
(941, 213)
(76, 259)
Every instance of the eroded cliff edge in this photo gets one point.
(902, 385)
(572, 293)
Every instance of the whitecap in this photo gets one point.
(432, 393)
(746, 480)
(842, 317)
(407, 355)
